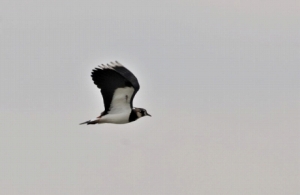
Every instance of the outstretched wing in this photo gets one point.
(118, 86)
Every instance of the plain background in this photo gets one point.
(220, 78)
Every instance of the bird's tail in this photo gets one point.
(89, 122)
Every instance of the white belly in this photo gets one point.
(115, 118)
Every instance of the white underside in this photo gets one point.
(115, 118)
(120, 108)
(121, 101)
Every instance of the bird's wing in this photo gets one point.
(118, 86)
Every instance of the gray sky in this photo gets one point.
(220, 78)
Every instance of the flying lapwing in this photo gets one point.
(118, 88)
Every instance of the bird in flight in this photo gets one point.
(118, 88)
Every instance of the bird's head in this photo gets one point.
(140, 112)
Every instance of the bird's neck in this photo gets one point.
(133, 116)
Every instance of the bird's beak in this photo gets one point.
(148, 115)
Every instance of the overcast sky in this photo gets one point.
(221, 80)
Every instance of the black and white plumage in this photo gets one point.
(118, 88)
